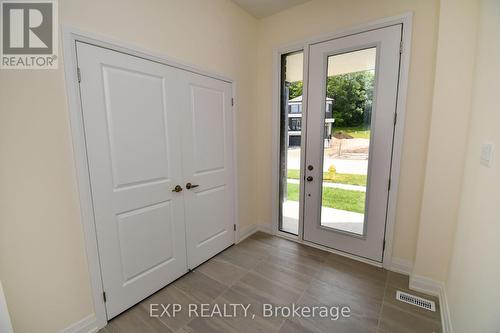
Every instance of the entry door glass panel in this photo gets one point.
(292, 121)
(347, 119)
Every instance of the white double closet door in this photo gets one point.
(150, 127)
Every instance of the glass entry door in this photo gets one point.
(351, 107)
(291, 142)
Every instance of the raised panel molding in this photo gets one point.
(133, 235)
(138, 156)
(207, 107)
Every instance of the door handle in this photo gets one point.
(190, 186)
(309, 178)
(177, 188)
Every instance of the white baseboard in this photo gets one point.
(401, 266)
(247, 231)
(425, 285)
(435, 288)
(86, 325)
(267, 228)
(5, 323)
(445, 312)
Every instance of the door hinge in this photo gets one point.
(389, 185)
(79, 74)
(232, 101)
(401, 47)
(383, 245)
(234, 227)
(104, 296)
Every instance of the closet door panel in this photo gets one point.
(132, 132)
(207, 165)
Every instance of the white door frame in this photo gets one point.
(406, 20)
(70, 35)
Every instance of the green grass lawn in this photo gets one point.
(342, 178)
(353, 201)
(360, 132)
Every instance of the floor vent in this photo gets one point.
(415, 300)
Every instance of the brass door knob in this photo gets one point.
(190, 186)
(177, 188)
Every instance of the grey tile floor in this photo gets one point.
(265, 269)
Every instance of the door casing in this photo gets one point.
(71, 35)
(406, 20)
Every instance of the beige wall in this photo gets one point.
(447, 138)
(42, 258)
(474, 273)
(318, 17)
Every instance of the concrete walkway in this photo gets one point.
(333, 185)
(356, 166)
(330, 217)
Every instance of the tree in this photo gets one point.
(295, 89)
(352, 95)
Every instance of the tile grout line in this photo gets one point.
(264, 260)
(230, 264)
(382, 303)
(195, 299)
(186, 294)
(252, 270)
(298, 299)
(218, 296)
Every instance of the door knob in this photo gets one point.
(190, 186)
(309, 178)
(177, 188)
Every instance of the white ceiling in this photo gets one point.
(263, 8)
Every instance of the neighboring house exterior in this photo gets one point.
(295, 120)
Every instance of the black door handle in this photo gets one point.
(177, 188)
(190, 186)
